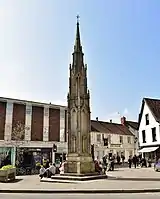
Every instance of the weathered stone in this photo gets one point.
(79, 158)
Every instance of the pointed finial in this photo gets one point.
(78, 18)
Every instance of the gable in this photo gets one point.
(145, 109)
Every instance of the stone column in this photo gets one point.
(8, 121)
(62, 124)
(46, 124)
(28, 121)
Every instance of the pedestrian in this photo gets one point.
(118, 159)
(123, 158)
(51, 170)
(42, 172)
(130, 161)
(134, 160)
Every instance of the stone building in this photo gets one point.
(112, 139)
(133, 127)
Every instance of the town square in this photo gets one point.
(76, 118)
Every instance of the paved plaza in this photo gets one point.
(138, 173)
(33, 182)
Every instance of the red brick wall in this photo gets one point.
(2, 119)
(19, 111)
(54, 124)
(37, 123)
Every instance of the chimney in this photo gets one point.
(123, 120)
(110, 121)
(97, 119)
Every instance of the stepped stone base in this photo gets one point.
(79, 165)
(72, 177)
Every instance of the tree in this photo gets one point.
(18, 132)
(18, 137)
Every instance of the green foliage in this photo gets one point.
(7, 167)
(38, 164)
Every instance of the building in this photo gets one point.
(112, 138)
(149, 128)
(46, 124)
(133, 127)
(42, 125)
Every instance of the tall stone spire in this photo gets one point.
(79, 159)
(77, 46)
(77, 54)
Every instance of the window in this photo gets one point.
(129, 140)
(121, 139)
(105, 141)
(154, 139)
(98, 138)
(143, 136)
(147, 119)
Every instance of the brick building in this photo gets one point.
(44, 125)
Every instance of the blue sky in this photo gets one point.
(121, 43)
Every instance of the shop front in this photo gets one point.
(7, 155)
(152, 153)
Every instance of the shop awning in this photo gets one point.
(148, 149)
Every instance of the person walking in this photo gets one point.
(42, 172)
(134, 160)
(130, 161)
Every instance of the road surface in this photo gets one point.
(81, 196)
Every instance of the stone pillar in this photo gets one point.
(46, 124)
(28, 121)
(62, 124)
(8, 121)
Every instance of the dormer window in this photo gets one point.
(147, 119)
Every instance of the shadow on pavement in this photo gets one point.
(14, 181)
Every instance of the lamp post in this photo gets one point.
(54, 150)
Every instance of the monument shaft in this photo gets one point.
(79, 159)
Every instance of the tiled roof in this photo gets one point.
(110, 128)
(133, 124)
(154, 106)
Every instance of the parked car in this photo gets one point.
(157, 166)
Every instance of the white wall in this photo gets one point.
(135, 132)
(100, 149)
(148, 128)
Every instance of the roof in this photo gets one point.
(34, 103)
(154, 106)
(110, 128)
(133, 124)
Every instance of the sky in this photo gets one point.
(121, 44)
